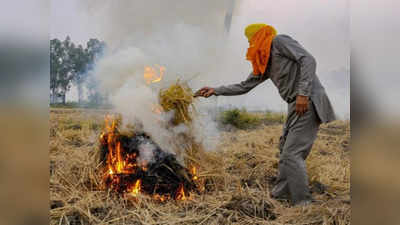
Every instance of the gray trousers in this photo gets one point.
(298, 137)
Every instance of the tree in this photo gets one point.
(70, 63)
(66, 72)
(94, 50)
(61, 68)
(80, 61)
(55, 67)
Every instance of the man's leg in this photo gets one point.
(292, 168)
(281, 189)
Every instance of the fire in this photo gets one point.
(180, 195)
(151, 75)
(136, 188)
(115, 162)
(126, 173)
(199, 182)
(120, 164)
(160, 198)
(194, 173)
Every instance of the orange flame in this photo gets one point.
(198, 181)
(110, 171)
(151, 75)
(160, 198)
(194, 173)
(120, 162)
(116, 164)
(180, 195)
(136, 188)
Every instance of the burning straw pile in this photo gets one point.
(125, 156)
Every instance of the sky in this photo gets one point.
(68, 18)
(322, 27)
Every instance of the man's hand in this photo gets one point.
(205, 92)
(301, 104)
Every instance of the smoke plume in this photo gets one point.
(186, 38)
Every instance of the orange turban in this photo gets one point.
(260, 46)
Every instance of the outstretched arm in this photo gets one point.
(233, 89)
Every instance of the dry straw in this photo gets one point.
(238, 193)
(178, 98)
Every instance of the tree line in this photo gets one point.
(70, 64)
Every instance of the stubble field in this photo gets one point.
(243, 168)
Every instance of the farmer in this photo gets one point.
(292, 70)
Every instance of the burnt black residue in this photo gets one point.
(163, 175)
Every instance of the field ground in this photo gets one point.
(243, 169)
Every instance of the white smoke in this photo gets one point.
(322, 27)
(206, 129)
(186, 38)
(146, 153)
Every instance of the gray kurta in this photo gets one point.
(292, 70)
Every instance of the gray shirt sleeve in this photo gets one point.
(293, 50)
(242, 87)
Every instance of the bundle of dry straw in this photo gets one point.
(178, 98)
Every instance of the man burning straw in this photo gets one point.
(291, 69)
